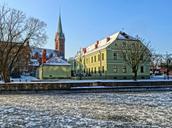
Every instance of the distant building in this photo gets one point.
(20, 64)
(102, 59)
(55, 68)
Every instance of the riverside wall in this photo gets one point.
(43, 86)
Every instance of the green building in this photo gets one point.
(102, 59)
(55, 68)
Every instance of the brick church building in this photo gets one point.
(60, 41)
(59, 51)
(40, 56)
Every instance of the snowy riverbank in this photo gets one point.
(28, 79)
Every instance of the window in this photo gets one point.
(124, 44)
(115, 69)
(124, 77)
(94, 58)
(143, 77)
(102, 56)
(114, 56)
(142, 69)
(124, 69)
(98, 57)
(91, 59)
(103, 70)
(99, 69)
(95, 70)
(124, 56)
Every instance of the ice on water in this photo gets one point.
(53, 109)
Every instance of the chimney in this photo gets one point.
(97, 42)
(96, 45)
(107, 39)
(44, 59)
(84, 50)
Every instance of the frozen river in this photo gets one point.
(119, 110)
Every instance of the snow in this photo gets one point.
(23, 79)
(54, 109)
(123, 36)
(56, 61)
(152, 79)
(34, 79)
(34, 62)
(103, 43)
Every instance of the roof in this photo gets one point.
(98, 45)
(34, 62)
(56, 61)
(49, 52)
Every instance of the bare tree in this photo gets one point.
(156, 60)
(167, 63)
(16, 30)
(135, 53)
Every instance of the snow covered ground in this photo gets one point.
(34, 79)
(22, 79)
(106, 110)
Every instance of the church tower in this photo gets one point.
(60, 40)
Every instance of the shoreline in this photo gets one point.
(87, 86)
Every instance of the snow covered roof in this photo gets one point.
(98, 45)
(34, 62)
(56, 61)
(49, 52)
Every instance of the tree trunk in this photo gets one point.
(5, 75)
(135, 74)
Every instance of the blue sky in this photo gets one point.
(85, 21)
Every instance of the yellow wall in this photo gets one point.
(92, 61)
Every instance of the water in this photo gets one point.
(121, 110)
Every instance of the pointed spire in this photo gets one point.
(60, 31)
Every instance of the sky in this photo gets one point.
(86, 21)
